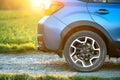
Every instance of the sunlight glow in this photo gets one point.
(41, 3)
(36, 4)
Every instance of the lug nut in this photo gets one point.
(86, 59)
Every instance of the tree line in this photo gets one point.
(14, 4)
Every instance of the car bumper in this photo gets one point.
(40, 34)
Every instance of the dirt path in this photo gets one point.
(40, 64)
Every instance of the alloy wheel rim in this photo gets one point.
(84, 51)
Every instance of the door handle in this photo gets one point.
(102, 11)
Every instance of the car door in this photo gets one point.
(107, 14)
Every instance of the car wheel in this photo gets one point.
(85, 51)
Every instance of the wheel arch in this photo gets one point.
(92, 26)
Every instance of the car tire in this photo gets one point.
(85, 51)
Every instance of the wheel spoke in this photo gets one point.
(76, 40)
(84, 64)
(93, 43)
(74, 50)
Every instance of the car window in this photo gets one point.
(98, 1)
(84, 0)
(113, 1)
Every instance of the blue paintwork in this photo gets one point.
(54, 25)
(76, 10)
(110, 21)
(52, 30)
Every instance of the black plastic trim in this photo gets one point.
(40, 30)
(84, 23)
(117, 44)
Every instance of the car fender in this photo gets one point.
(84, 23)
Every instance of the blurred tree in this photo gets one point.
(14, 4)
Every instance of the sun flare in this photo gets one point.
(36, 3)
(41, 3)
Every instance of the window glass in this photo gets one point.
(113, 1)
(101, 1)
(84, 0)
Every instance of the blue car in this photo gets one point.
(84, 31)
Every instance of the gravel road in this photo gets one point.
(44, 63)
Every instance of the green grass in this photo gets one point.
(18, 30)
(50, 77)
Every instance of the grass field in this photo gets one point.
(18, 30)
(50, 77)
